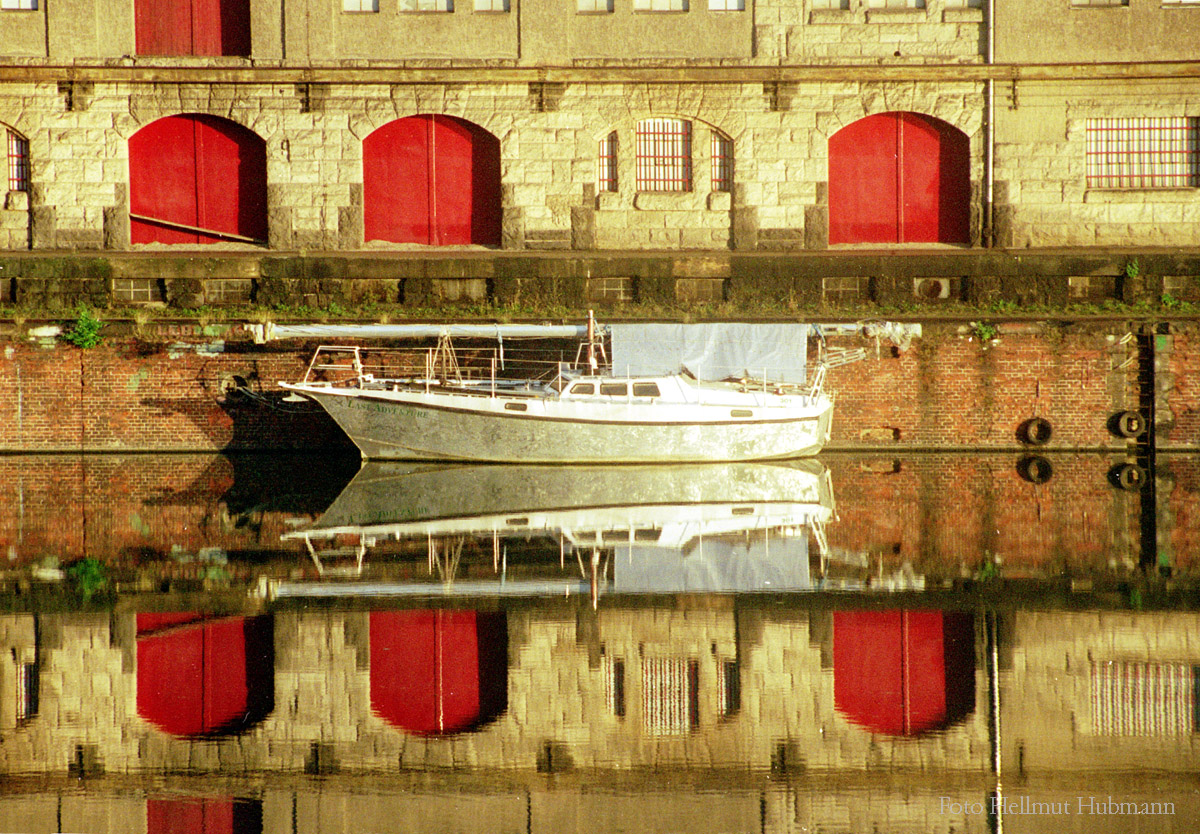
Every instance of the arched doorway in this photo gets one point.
(436, 672)
(197, 179)
(200, 676)
(433, 180)
(903, 672)
(899, 178)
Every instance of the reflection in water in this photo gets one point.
(191, 702)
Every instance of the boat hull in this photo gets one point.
(388, 429)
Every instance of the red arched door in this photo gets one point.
(437, 672)
(903, 672)
(200, 676)
(899, 178)
(197, 179)
(432, 180)
(192, 27)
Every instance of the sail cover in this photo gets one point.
(712, 351)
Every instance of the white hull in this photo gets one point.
(444, 424)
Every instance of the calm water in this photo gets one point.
(920, 643)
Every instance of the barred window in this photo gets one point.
(660, 5)
(360, 5)
(27, 690)
(491, 5)
(670, 689)
(18, 162)
(594, 5)
(722, 162)
(664, 155)
(726, 5)
(606, 171)
(426, 5)
(1136, 698)
(1143, 153)
(19, 5)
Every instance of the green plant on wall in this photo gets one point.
(89, 577)
(85, 333)
(1133, 269)
(984, 331)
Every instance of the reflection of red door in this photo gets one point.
(198, 676)
(432, 180)
(438, 672)
(197, 179)
(903, 672)
(192, 27)
(203, 815)
(899, 178)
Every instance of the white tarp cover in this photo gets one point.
(712, 351)
(780, 564)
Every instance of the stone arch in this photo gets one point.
(196, 178)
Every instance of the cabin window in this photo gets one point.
(613, 389)
(645, 389)
(516, 406)
(647, 534)
(1143, 153)
(583, 389)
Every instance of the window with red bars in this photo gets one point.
(664, 155)
(722, 162)
(1150, 152)
(18, 162)
(606, 170)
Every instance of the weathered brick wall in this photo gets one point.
(950, 389)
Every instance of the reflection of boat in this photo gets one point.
(724, 527)
(401, 408)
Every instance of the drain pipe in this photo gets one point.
(989, 138)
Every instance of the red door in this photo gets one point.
(197, 179)
(201, 677)
(432, 180)
(192, 27)
(203, 815)
(899, 178)
(438, 672)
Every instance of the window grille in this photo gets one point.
(660, 5)
(664, 155)
(491, 5)
(18, 162)
(726, 5)
(1135, 698)
(360, 5)
(722, 162)
(614, 685)
(606, 172)
(670, 696)
(19, 5)
(27, 690)
(594, 5)
(426, 5)
(1143, 153)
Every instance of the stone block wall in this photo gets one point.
(1041, 166)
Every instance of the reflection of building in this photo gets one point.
(725, 685)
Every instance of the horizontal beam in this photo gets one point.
(745, 74)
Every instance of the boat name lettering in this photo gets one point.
(383, 408)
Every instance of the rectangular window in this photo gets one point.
(491, 5)
(426, 5)
(726, 5)
(1099, 2)
(606, 170)
(19, 5)
(670, 696)
(895, 4)
(360, 5)
(664, 155)
(831, 4)
(27, 691)
(18, 162)
(722, 162)
(594, 5)
(660, 5)
(614, 685)
(1143, 153)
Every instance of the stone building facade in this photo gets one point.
(611, 126)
